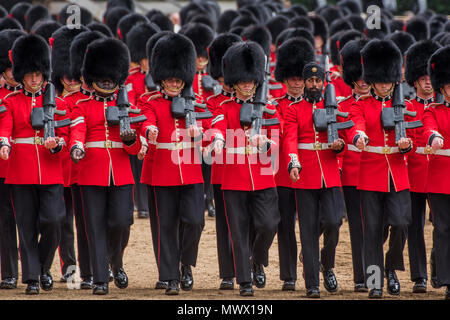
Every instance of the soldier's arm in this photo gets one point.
(359, 129)
(290, 138)
(6, 126)
(430, 126)
(78, 130)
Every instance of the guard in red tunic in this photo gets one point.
(417, 76)
(224, 253)
(102, 150)
(383, 177)
(248, 185)
(342, 89)
(352, 74)
(176, 174)
(293, 54)
(314, 169)
(34, 170)
(8, 240)
(436, 131)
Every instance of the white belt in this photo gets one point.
(381, 150)
(175, 145)
(31, 140)
(242, 150)
(351, 147)
(104, 144)
(442, 152)
(314, 146)
(424, 150)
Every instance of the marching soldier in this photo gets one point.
(34, 171)
(248, 184)
(8, 241)
(292, 57)
(318, 182)
(417, 76)
(435, 130)
(105, 175)
(383, 177)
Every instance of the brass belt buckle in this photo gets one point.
(178, 145)
(248, 150)
(108, 144)
(38, 140)
(386, 150)
(428, 150)
(317, 146)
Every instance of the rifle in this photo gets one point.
(184, 107)
(44, 117)
(150, 84)
(2, 109)
(439, 98)
(119, 115)
(394, 118)
(209, 84)
(326, 119)
(252, 113)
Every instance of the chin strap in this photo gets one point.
(169, 89)
(249, 93)
(386, 94)
(104, 91)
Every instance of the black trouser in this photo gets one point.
(353, 205)
(84, 260)
(154, 223)
(261, 207)
(8, 237)
(207, 186)
(39, 210)
(381, 209)
(66, 244)
(416, 238)
(224, 251)
(318, 209)
(287, 241)
(397, 241)
(108, 212)
(440, 204)
(139, 189)
(176, 205)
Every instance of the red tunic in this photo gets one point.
(277, 93)
(376, 168)
(135, 84)
(342, 89)
(436, 120)
(30, 163)
(198, 87)
(244, 172)
(100, 164)
(319, 167)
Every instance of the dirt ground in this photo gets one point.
(139, 263)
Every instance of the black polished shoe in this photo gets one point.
(66, 277)
(393, 285)
(210, 208)
(46, 281)
(100, 288)
(375, 293)
(32, 287)
(187, 280)
(121, 279)
(111, 275)
(360, 287)
(86, 283)
(161, 285)
(420, 286)
(246, 289)
(313, 292)
(447, 293)
(329, 281)
(259, 276)
(288, 285)
(143, 214)
(227, 284)
(9, 283)
(172, 288)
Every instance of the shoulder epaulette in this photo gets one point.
(279, 98)
(225, 101)
(69, 94)
(213, 96)
(60, 98)
(342, 99)
(155, 96)
(82, 100)
(148, 93)
(363, 97)
(295, 102)
(434, 104)
(11, 94)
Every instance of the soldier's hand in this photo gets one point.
(258, 140)
(218, 146)
(77, 154)
(4, 152)
(142, 153)
(128, 136)
(194, 131)
(404, 143)
(152, 134)
(50, 143)
(338, 144)
(438, 143)
(294, 174)
(361, 143)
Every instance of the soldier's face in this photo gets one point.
(173, 86)
(424, 83)
(314, 84)
(70, 85)
(295, 85)
(144, 64)
(318, 42)
(33, 81)
(362, 86)
(246, 86)
(201, 63)
(8, 76)
(446, 92)
(383, 87)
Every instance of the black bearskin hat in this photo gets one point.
(100, 27)
(45, 29)
(173, 56)
(295, 33)
(331, 14)
(10, 23)
(60, 47)
(382, 62)
(396, 25)
(292, 56)
(357, 22)
(137, 39)
(402, 39)
(225, 20)
(350, 56)
(299, 10)
(7, 38)
(436, 27)
(243, 61)
(3, 12)
(30, 53)
(301, 22)
(340, 25)
(99, 62)
(378, 33)
(152, 41)
(18, 12)
(85, 15)
(78, 50)
(35, 14)
(217, 50)
(276, 25)
(128, 4)
(113, 16)
(260, 35)
(129, 21)
(417, 58)
(419, 28)
(351, 6)
(334, 48)
(201, 36)
(320, 28)
(438, 68)
(237, 30)
(243, 21)
(162, 21)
